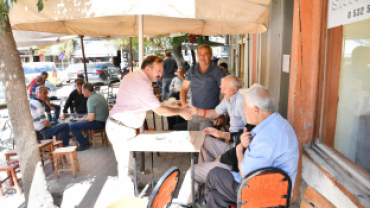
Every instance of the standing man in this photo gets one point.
(135, 97)
(34, 82)
(76, 99)
(43, 126)
(169, 66)
(204, 80)
(98, 111)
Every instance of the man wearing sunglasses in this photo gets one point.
(41, 124)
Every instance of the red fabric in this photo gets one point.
(265, 190)
(33, 82)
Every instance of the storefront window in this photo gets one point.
(352, 133)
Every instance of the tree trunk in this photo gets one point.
(33, 176)
(178, 56)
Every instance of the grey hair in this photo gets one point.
(88, 86)
(259, 96)
(39, 88)
(233, 81)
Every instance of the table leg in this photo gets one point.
(162, 123)
(135, 175)
(142, 163)
(153, 122)
(151, 157)
(192, 179)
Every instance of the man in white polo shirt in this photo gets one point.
(134, 98)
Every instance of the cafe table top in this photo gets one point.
(167, 141)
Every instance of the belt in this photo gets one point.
(120, 123)
(103, 122)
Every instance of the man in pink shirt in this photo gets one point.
(134, 98)
(33, 82)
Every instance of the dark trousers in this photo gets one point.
(79, 126)
(57, 111)
(220, 189)
(62, 129)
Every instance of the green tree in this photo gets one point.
(33, 176)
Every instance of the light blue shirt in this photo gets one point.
(274, 144)
(234, 107)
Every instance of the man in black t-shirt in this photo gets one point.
(169, 66)
(78, 98)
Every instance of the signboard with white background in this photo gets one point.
(341, 12)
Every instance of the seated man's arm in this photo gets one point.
(167, 111)
(89, 117)
(67, 105)
(183, 92)
(218, 134)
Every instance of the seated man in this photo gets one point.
(40, 79)
(213, 148)
(224, 68)
(41, 125)
(78, 98)
(271, 143)
(176, 84)
(98, 111)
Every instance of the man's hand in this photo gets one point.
(185, 113)
(194, 110)
(245, 138)
(219, 121)
(47, 123)
(80, 119)
(217, 159)
(179, 102)
(62, 116)
(213, 131)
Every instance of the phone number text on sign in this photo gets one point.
(358, 12)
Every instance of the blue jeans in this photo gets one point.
(62, 129)
(165, 85)
(79, 126)
(57, 111)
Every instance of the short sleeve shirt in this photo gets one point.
(97, 104)
(169, 66)
(205, 87)
(234, 107)
(33, 82)
(134, 98)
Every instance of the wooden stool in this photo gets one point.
(92, 136)
(10, 167)
(11, 153)
(71, 151)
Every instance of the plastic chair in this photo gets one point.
(265, 187)
(161, 196)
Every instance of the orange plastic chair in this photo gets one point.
(161, 196)
(265, 187)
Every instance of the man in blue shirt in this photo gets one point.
(204, 80)
(271, 143)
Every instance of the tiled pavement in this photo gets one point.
(95, 184)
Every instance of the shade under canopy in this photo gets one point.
(161, 17)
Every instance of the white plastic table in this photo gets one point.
(166, 141)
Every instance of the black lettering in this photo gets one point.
(354, 13)
(368, 8)
(349, 15)
(361, 10)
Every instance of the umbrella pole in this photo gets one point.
(83, 57)
(141, 48)
(131, 57)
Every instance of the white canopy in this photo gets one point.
(161, 17)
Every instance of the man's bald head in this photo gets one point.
(40, 79)
(258, 96)
(233, 81)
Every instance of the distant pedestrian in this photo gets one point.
(225, 68)
(169, 66)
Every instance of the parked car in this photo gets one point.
(73, 70)
(104, 72)
(31, 70)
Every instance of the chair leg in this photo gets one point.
(1, 191)
(92, 134)
(16, 184)
(55, 158)
(10, 179)
(75, 159)
(72, 164)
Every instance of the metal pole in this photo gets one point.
(141, 48)
(83, 57)
(131, 57)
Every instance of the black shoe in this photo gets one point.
(82, 148)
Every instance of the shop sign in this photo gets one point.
(341, 12)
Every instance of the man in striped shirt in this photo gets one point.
(41, 124)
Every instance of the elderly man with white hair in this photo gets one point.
(213, 149)
(272, 143)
